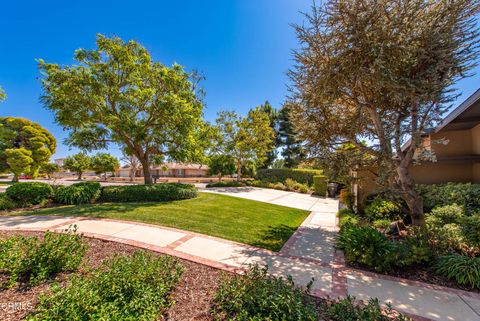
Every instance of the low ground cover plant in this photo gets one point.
(29, 193)
(349, 309)
(34, 260)
(78, 193)
(148, 193)
(136, 287)
(260, 296)
(464, 270)
(288, 185)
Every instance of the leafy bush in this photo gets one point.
(6, 203)
(29, 193)
(259, 296)
(279, 186)
(290, 185)
(463, 194)
(446, 214)
(320, 185)
(123, 288)
(226, 184)
(275, 175)
(35, 260)
(348, 218)
(349, 310)
(471, 229)
(382, 209)
(148, 193)
(381, 223)
(79, 193)
(346, 198)
(367, 246)
(464, 270)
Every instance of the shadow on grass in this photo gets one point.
(90, 210)
(274, 237)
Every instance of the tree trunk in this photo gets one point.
(79, 175)
(239, 172)
(220, 177)
(15, 178)
(147, 176)
(410, 195)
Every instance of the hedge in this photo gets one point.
(275, 175)
(148, 193)
(320, 185)
(79, 193)
(29, 193)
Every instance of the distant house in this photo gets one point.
(456, 161)
(169, 170)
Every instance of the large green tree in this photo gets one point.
(293, 151)
(103, 163)
(118, 94)
(221, 165)
(24, 146)
(78, 163)
(273, 118)
(245, 139)
(49, 169)
(381, 72)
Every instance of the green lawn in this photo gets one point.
(250, 222)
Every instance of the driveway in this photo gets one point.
(284, 198)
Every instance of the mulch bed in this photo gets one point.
(193, 295)
(421, 273)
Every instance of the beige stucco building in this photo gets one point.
(169, 170)
(456, 161)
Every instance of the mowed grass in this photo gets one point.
(256, 223)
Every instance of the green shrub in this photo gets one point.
(446, 214)
(471, 229)
(347, 198)
(148, 193)
(349, 310)
(381, 223)
(226, 184)
(78, 193)
(30, 193)
(382, 209)
(347, 218)
(463, 194)
(280, 186)
(320, 185)
(35, 260)
(275, 175)
(257, 296)
(6, 203)
(462, 269)
(367, 246)
(294, 186)
(123, 288)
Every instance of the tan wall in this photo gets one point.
(476, 173)
(436, 173)
(196, 172)
(475, 136)
(460, 143)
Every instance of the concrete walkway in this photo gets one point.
(308, 254)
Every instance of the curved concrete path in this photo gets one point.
(308, 254)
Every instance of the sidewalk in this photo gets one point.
(308, 254)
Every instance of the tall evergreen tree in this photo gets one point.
(293, 151)
(273, 117)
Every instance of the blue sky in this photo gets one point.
(243, 47)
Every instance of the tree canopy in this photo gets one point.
(78, 163)
(273, 118)
(24, 146)
(381, 72)
(221, 165)
(293, 151)
(103, 163)
(49, 169)
(3, 95)
(117, 94)
(245, 139)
